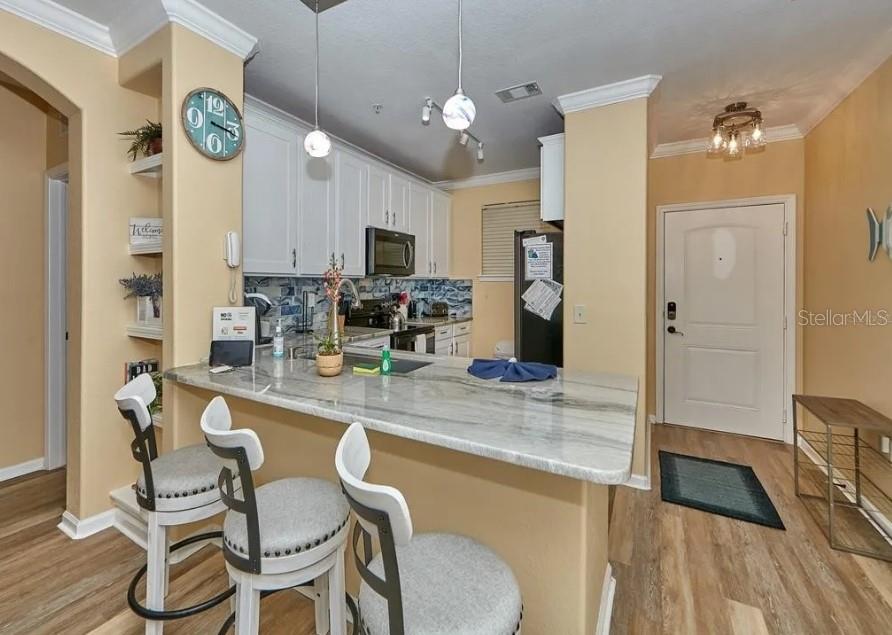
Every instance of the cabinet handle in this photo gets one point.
(394, 219)
(294, 258)
(342, 261)
(435, 267)
(387, 217)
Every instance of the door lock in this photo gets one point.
(674, 331)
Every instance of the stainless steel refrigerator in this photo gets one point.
(537, 339)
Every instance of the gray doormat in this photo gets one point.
(727, 489)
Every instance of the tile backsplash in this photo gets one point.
(286, 295)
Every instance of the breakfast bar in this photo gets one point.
(523, 468)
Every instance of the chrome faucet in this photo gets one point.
(334, 327)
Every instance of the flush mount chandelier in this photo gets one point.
(736, 129)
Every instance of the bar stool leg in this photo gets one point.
(156, 574)
(337, 588)
(166, 564)
(320, 590)
(247, 613)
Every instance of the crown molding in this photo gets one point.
(615, 93)
(64, 21)
(134, 27)
(696, 146)
(526, 174)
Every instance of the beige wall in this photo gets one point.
(604, 245)
(102, 196)
(493, 301)
(23, 161)
(848, 163)
(694, 178)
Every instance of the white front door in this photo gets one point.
(724, 349)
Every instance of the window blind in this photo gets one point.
(499, 224)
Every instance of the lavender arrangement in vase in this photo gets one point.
(147, 289)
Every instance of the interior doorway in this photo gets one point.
(724, 327)
(56, 362)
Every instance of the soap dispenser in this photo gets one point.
(279, 340)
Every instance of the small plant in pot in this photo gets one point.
(329, 356)
(147, 290)
(146, 140)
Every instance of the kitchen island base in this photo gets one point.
(551, 529)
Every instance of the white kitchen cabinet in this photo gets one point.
(420, 226)
(551, 182)
(399, 203)
(379, 198)
(439, 241)
(270, 200)
(315, 227)
(443, 340)
(351, 210)
(461, 346)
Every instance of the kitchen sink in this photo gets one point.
(398, 366)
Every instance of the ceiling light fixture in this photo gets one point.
(736, 129)
(463, 135)
(317, 143)
(459, 111)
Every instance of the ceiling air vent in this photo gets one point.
(521, 91)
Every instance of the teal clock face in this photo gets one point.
(213, 124)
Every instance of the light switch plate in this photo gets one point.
(579, 314)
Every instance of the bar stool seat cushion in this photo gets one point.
(186, 477)
(294, 515)
(450, 584)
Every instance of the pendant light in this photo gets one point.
(459, 111)
(317, 143)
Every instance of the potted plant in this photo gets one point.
(329, 357)
(158, 381)
(146, 288)
(146, 140)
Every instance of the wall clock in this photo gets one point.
(213, 124)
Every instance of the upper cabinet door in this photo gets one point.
(399, 204)
(420, 226)
(551, 182)
(441, 205)
(316, 210)
(351, 203)
(270, 200)
(379, 198)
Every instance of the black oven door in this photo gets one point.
(389, 253)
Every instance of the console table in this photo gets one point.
(843, 481)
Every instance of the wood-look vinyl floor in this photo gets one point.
(678, 570)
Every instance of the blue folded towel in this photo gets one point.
(511, 370)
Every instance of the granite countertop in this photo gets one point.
(439, 321)
(579, 425)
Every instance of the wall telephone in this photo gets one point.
(233, 256)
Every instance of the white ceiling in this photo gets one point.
(794, 59)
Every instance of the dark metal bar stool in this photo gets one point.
(175, 488)
(280, 535)
(421, 584)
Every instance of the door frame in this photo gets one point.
(790, 278)
(55, 374)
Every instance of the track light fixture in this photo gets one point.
(464, 136)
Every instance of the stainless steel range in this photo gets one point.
(376, 313)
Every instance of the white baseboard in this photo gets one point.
(34, 465)
(605, 611)
(75, 528)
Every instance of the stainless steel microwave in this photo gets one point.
(389, 253)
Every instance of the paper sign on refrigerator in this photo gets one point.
(538, 261)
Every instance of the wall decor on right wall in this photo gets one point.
(879, 233)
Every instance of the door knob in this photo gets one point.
(674, 331)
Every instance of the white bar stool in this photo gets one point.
(280, 535)
(432, 583)
(176, 488)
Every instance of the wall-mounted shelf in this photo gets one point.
(145, 250)
(148, 166)
(145, 332)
